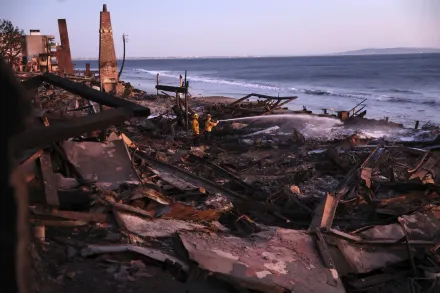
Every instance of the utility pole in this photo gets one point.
(124, 40)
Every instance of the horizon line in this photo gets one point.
(348, 53)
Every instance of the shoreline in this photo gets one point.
(401, 113)
(210, 100)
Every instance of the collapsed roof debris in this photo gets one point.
(269, 216)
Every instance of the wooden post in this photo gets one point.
(157, 83)
(178, 94)
(186, 103)
(87, 73)
(417, 125)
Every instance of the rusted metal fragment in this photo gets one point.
(128, 142)
(366, 258)
(50, 186)
(421, 228)
(43, 136)
(109, 163)
(271, 261)
(164, 207)
(427, 167)
(146, 251)
(180, 211)
(65, 64)
(420, 163)
(154, 229)
(145, 191)
(85, 92)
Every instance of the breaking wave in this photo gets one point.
(404, 92)
(313, 92)
(211, 80)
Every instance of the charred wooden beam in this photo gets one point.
(286, 102)
(71, 215)
(87, 73)
(326, 210)
(28, 166)
(240, 100)
(290, 98)
(191, 178)
(41, 137)
(85, 92)
(174, 89)
(50, 186)
(225, 173)
(326, 255)
(273, 97)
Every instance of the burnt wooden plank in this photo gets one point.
(71, 215)
(43, 136)
(50, 186)
(85, 92)
(28, 166)
(174, 89)
(287, 99)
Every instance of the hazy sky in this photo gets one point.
(235, 27)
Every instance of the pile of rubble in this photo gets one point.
(135, 206)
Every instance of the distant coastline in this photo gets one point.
(371, 51)
(390, 51)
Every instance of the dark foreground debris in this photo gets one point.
(126, 201)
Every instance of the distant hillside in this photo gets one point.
(386, 51)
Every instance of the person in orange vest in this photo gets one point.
(195, 129)
(209, 124)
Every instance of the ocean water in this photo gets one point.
(404, 88)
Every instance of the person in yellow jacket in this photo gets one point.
(209, 124)
(195, 129)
